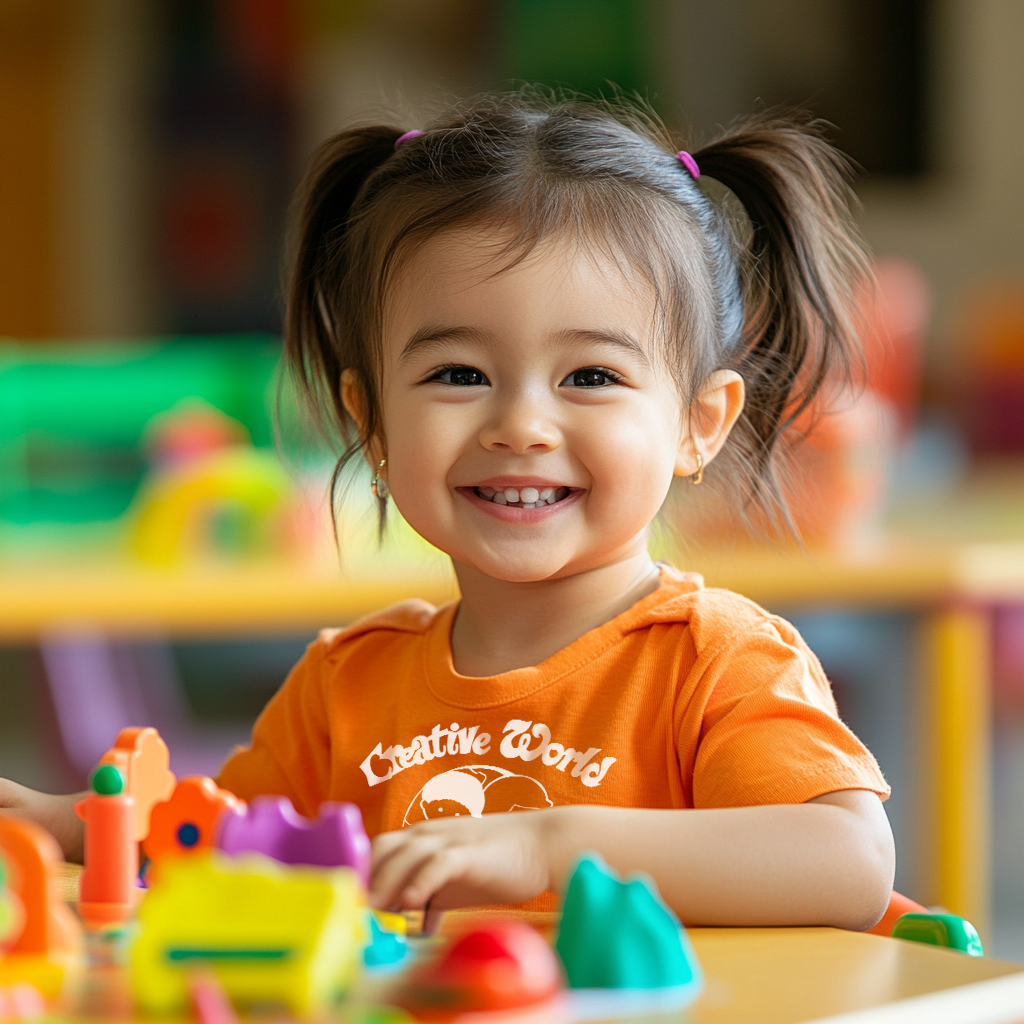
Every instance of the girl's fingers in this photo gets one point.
(384, 846)
(390, 877)
(432, 875)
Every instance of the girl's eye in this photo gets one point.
(591, 377)
(461, 377)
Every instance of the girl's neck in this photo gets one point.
(502, 626)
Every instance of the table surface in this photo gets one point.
(783, 975)
(772, 976)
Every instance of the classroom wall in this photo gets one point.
(964, 224)
(77, 172)
(75, 89)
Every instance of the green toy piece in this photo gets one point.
(619, 934)
(107, 781)
(940, 930)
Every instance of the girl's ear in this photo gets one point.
(353, 397)
(715, 410)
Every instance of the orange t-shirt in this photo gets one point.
(693, 697)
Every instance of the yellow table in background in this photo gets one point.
(953, 586)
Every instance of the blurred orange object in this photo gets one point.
(108, 892)
(892, 319)
(12, 912)
(898, 906)
(50, 943)
(837, 484)
(187, 821)
(835, 456)
(143, 759)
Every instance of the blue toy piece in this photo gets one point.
(385, 948)
(940, 930)
(620, 935)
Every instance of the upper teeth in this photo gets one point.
(525, 497)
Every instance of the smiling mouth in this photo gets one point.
(525, 497)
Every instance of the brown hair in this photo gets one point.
(768, 299)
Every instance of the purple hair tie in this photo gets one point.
(685, 159)
(415, 133)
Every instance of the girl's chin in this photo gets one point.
(511, 570)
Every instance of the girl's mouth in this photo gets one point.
(525, 497)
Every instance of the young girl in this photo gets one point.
(531, 317)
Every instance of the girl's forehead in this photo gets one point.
(457, 266)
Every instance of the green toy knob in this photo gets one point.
(107, 781)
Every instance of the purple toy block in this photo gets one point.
(272, 826)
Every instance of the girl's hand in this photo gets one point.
(54, 813)
(463, 861)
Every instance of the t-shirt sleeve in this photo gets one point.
(770, 732)
(290, 752)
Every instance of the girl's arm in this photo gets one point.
(829, 861)
(54, 813)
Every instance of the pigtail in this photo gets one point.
(803, 257)
(315, 349)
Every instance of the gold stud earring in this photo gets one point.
(698, 477)
(379, 486)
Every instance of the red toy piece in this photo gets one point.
(187, 822)
(142, 758)
(504, 965)
(109, 888)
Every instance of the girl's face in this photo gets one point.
(531, 427)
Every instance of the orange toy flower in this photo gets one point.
(188, 820)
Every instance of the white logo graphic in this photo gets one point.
(523, 740)
(475, 790)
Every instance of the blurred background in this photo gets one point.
(163, 562)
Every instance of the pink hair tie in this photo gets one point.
(684, 158)
(415, 133)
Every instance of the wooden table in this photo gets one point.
(953, 585)
(784, 975)
(779, 976)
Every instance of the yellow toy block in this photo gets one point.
(271, 933)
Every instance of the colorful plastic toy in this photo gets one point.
(898, 906)
(49, 946)
(940, 930)
(187, 821)
(387, 946)
(210, 1003)
(12, 912)
(108, 892)
(21, 1002)
(273, 827)
(504, 965)
(142, 758)
(270, 933)
(620, 935)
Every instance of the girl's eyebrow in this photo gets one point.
(583, 335)
(438, 335)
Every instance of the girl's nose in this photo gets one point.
(520, 426)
